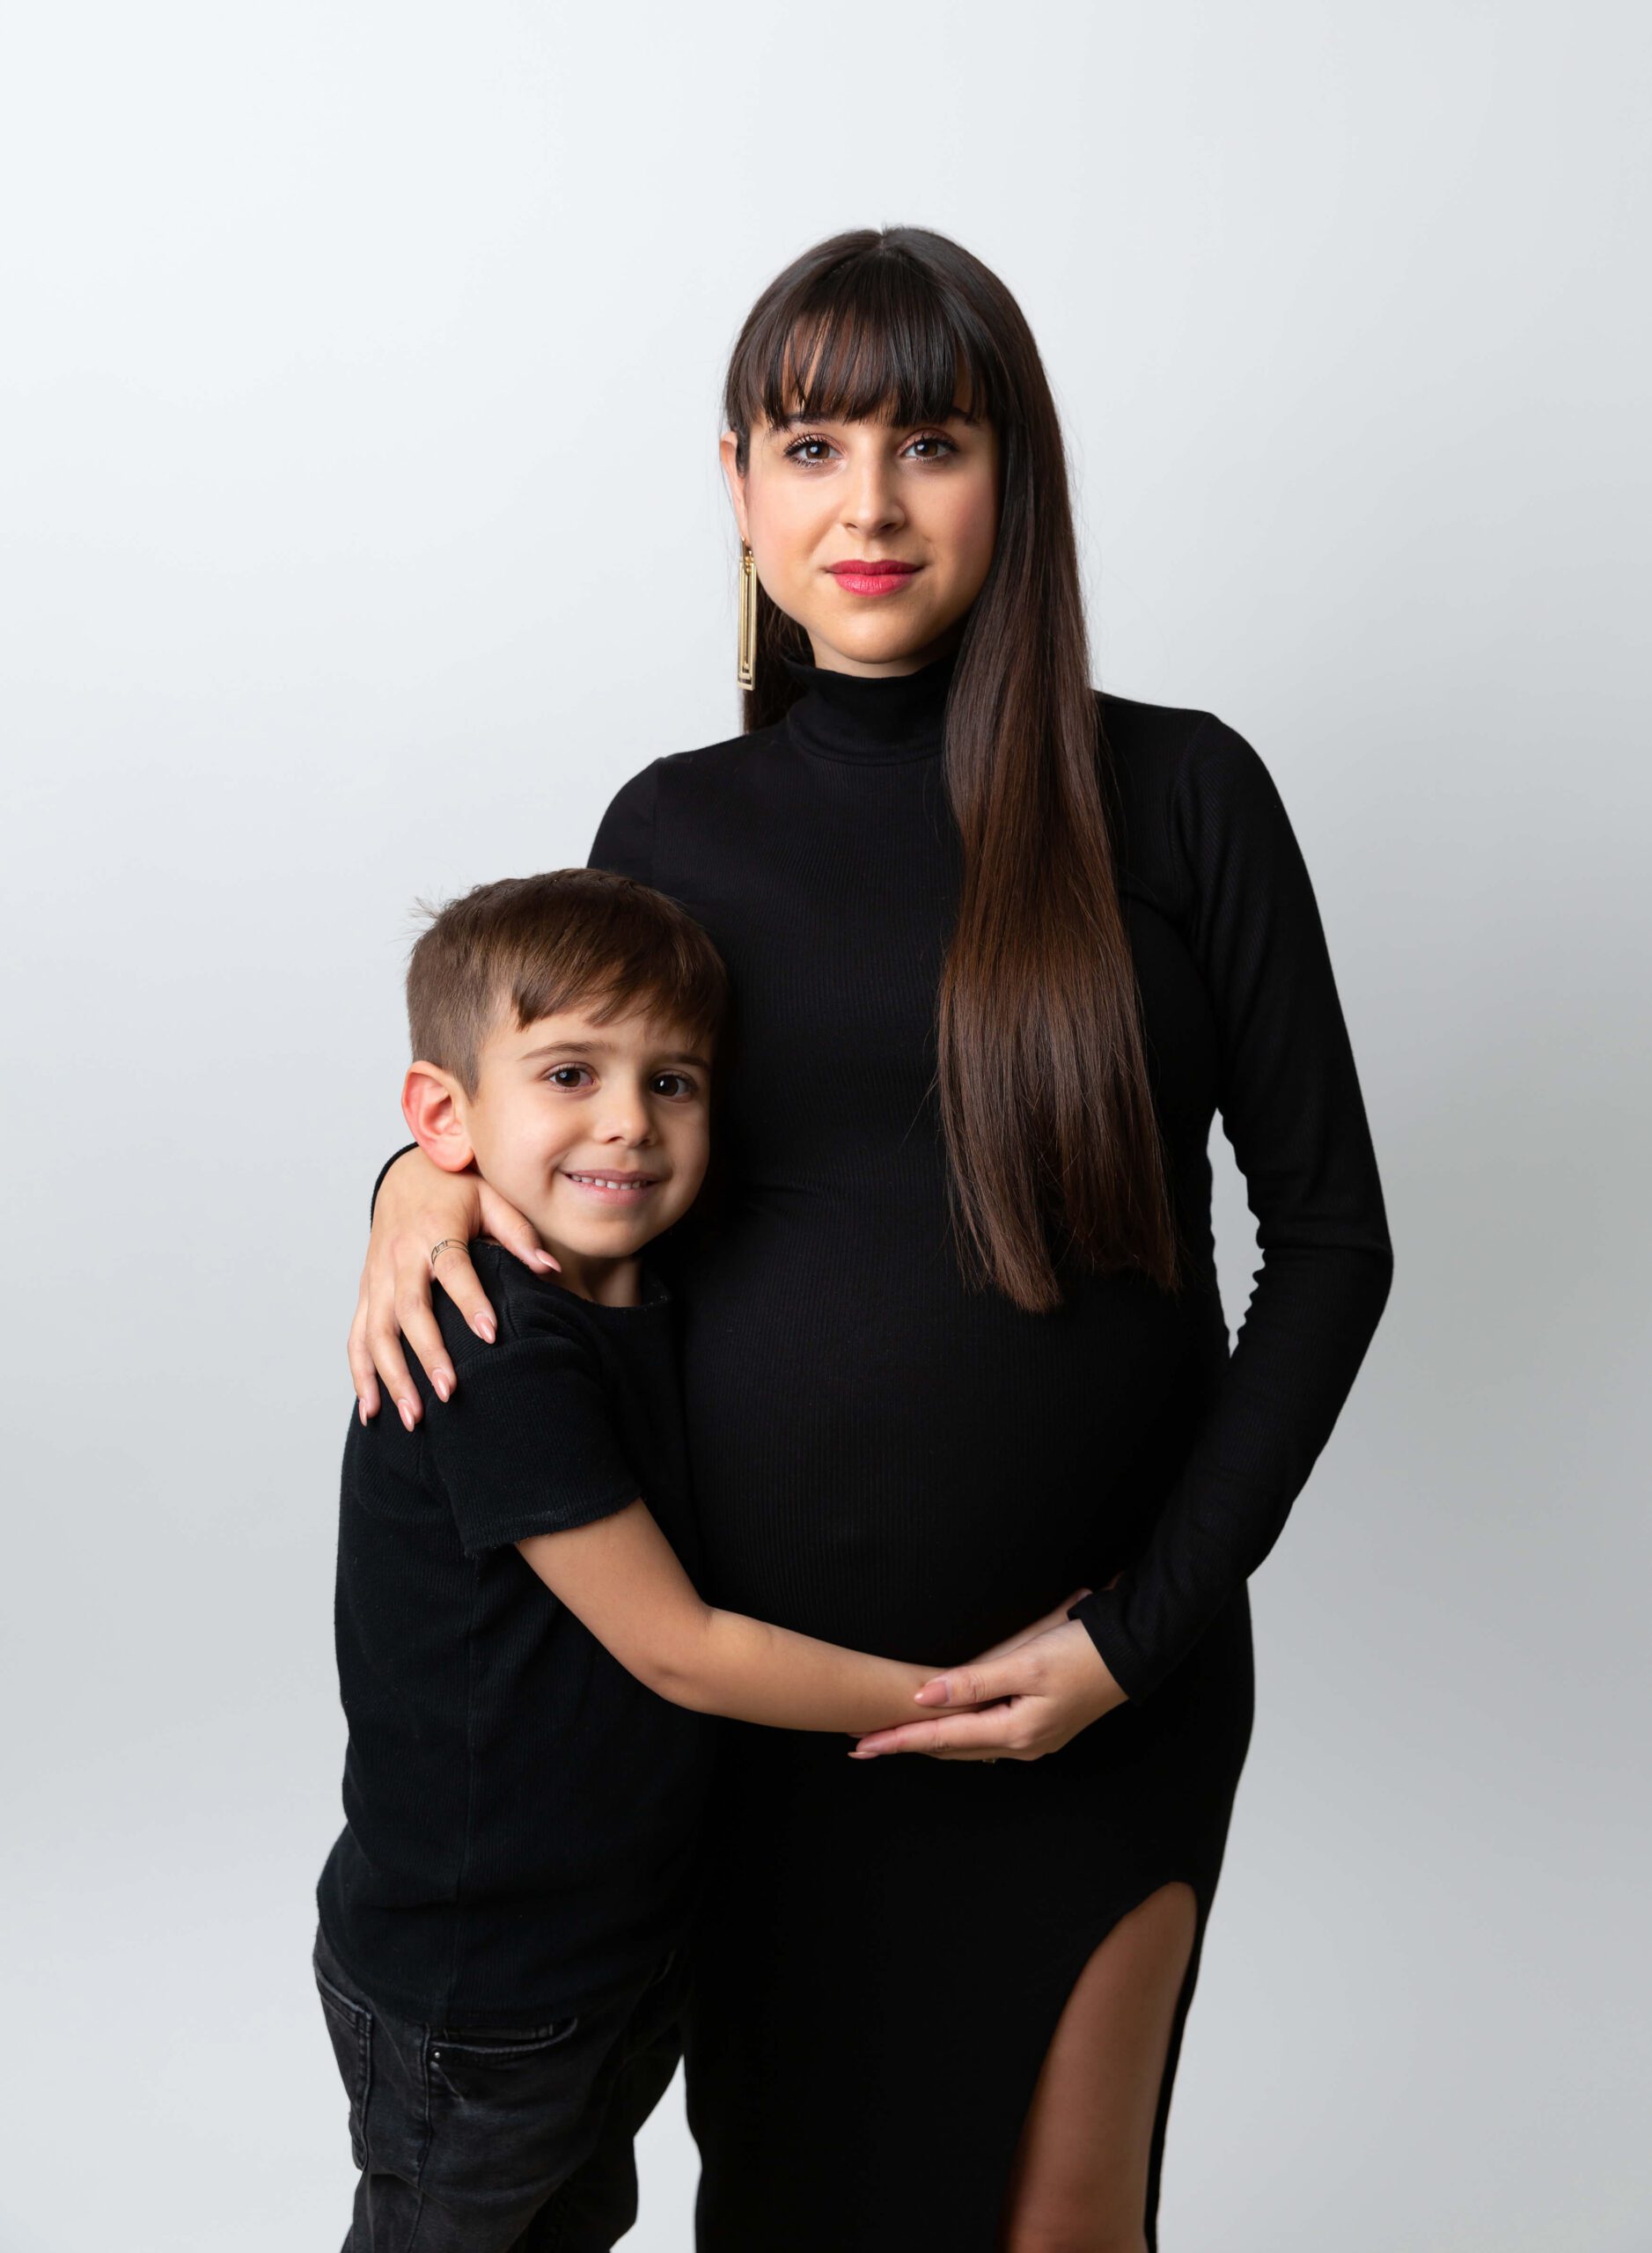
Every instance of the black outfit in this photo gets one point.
(524, 1818)
(489, 2140)
(884, 1458)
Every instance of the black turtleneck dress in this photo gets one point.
(885, 1459)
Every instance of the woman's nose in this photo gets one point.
(871, 502)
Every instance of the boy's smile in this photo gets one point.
(599, 1132)
(617, 1187)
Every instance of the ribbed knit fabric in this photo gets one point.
(885, 1459)
(1291, 1107)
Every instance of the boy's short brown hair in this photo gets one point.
(573, 939)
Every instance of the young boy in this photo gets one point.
(525, 1668)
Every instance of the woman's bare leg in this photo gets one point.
(1079, 2184)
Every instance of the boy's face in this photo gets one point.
(597, 1134)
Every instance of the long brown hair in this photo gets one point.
(1053, 1145)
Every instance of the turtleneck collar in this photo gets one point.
(876, 717)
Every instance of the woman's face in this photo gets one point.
(820, 498)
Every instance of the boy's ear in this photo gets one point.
(431, 1103)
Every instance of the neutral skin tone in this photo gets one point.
(820, 494)
(814, 494)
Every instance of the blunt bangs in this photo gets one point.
(871, 336)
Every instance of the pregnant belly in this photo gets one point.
(884, 1458)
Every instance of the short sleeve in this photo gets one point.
(624, 842)
(1291, 1107)
(526, 1444)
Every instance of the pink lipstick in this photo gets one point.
(864, 576)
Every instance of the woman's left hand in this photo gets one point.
(1048, 1688)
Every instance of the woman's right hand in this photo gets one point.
(1056, 1618)
(418, 1205)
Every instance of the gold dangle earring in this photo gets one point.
(746, 669)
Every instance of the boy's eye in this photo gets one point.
(680, 1084)
(559, 1074)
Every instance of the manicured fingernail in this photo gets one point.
(483, 1326)
(405, 1407)
(544, 1259)
(361, 1409)
(442, 1381)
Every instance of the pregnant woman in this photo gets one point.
(1002, 947)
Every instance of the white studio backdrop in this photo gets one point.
(361, 531)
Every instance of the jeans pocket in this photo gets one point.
(480, 2052)
(349, 2024)
(505, 2109)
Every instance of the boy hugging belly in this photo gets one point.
(527, 1672)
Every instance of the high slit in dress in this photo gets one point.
(885, 1457)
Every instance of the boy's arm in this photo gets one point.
(621, 1576)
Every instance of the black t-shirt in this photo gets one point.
(524, 1818)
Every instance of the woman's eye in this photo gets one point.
(811, 451)
(559, 1074)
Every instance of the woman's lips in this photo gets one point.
(864, 577)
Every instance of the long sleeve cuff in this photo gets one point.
(1096, 1614)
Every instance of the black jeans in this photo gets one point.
(488, 2141)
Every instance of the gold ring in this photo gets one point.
(436, 1250)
